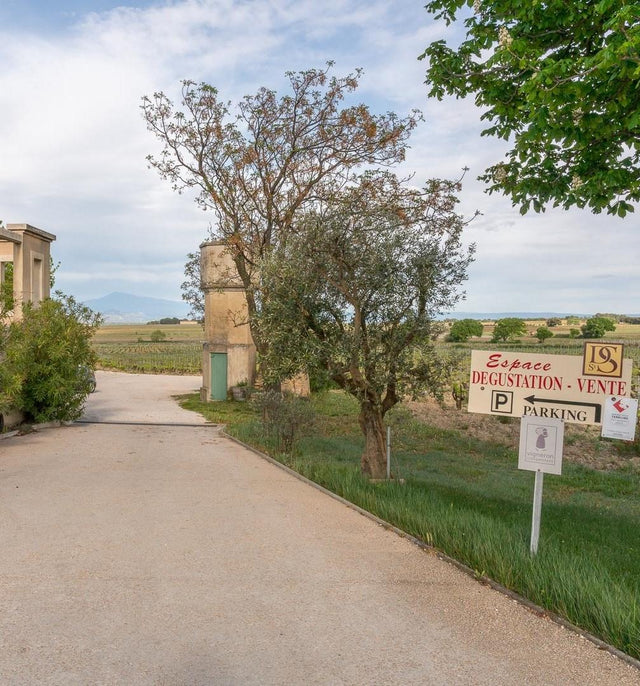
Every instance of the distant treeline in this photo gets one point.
(620, 318)
(166, 320)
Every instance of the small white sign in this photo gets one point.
(619, 419)
(541, 441)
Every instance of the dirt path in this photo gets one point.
(168, 555)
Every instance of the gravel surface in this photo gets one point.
(168, 555)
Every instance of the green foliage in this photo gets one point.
(554, 321)
(574, 333)
(6, 289)
(543, 333)
(157, 335)
(463, 329)
(508, 328)
(573, 321)
(46, 355)
(559, 80)
(596, 327)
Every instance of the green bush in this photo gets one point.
(157, 335)
(46, 355)
(285, 418)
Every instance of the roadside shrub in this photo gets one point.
(285, 418)
(46, 357)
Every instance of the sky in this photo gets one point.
(73, 143)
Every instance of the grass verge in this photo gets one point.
(468, 499)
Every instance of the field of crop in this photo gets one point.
(131, 348)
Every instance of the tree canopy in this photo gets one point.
(259, 164)
(561, 82)
(508, 328)
(356, 288)
(596, 327)
(463, 329)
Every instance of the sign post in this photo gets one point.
(537, 512)
(541, 442)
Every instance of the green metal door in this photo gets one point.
(218, 376)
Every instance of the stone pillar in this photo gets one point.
(226, 320)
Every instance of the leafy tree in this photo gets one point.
(554, 321)
(559, 80)
(355, 291)
(574, 333)
(259, 168)
(6, 290)
(462, 330)
(191, 287)
(157, 335)
(596, 327)
(508, 328)
(543, 333)
(46, 356)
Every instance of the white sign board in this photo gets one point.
(619, 418)
(541, 442)
(545, 386)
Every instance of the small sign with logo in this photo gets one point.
(619, 418)
(541, 442)
(603, 359)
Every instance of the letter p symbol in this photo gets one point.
(502, 402)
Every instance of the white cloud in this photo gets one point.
(74, 143)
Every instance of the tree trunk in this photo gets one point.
(374, 456)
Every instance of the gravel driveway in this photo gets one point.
(143, 551)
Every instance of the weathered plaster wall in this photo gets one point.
(226, 324)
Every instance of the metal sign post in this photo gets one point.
(537, 512)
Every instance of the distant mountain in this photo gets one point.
(125, 308)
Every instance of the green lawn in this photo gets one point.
(468, 499)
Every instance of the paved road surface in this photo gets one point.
(168, 555)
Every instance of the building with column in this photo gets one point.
(29, 249)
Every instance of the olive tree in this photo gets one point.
(355, 291)
(258, 165)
